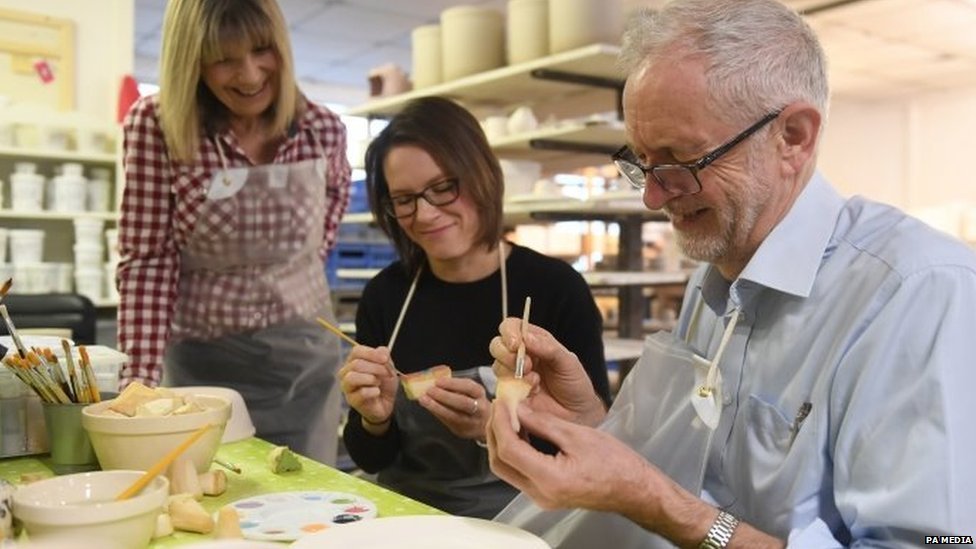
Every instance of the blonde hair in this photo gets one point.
(193, 34)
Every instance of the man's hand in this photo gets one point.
(563, 388)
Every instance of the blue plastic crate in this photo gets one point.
(358, 198)
(351, 255)
(381, 255)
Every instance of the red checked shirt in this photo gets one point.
(159, 214)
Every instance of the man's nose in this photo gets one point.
(654, 196)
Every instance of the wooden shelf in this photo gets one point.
(564, 148)
(529, 209)
(513, 84)
(628, 278)
(48, 155)
(534, 209)
(58, 216)
(610, 206)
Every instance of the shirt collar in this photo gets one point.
(789, 257)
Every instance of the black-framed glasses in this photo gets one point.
(679, 178)
(439, 193)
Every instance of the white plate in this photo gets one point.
(287, 516)
(423, 532)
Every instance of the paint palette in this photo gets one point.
(287, 516)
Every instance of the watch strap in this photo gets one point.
(720, 533)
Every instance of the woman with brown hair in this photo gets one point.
(436, 189)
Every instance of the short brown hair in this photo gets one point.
(453, 138)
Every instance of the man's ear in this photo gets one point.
(801, 128)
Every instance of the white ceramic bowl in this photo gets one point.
(79, 510)
(139, 442)
(240, 426)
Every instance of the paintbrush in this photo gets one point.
(86, 369)
(21, 350)
(328, 326)
(520, 354)
(6, 288)
(80, 396)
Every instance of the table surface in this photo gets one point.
(256, 478)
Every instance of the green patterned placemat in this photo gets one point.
(256, 478)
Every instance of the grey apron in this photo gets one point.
(284, 370)
(427, 447)
(661, 412)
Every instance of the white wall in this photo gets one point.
(103, 45)
(864, 150)
(914, 153)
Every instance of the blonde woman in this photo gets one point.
(234, 187)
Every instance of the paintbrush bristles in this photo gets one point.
(6, 288)
(89, 373)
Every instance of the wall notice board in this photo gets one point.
(37, 62)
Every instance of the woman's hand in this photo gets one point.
(460, 404)
(370, 386)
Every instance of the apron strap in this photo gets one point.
(413, 287)
(709, 386)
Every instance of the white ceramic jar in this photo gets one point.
(99, 191)
(527, 35)
(69, 191)
(577, 23)
(425, 49)
(472, 39)
(26, 245)
(90, 281)
(26, 188)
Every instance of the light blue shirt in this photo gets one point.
(849, 308)
(870, 316)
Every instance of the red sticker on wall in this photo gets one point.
(44, 71)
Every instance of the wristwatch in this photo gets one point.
(720, 533)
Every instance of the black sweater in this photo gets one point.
(449, 323)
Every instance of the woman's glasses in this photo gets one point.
(440, 193)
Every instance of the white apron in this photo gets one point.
(265, 222)
(661, 413)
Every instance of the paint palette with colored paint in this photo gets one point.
(287, 516)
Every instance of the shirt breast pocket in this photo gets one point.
(774, 458)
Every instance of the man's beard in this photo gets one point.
(735, 221)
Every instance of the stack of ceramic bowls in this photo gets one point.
(89, 257)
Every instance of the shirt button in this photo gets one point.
(727, 399)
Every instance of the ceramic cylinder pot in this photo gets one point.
(425, 44)
(473, 39)
(528, 30)
(577, 23)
